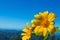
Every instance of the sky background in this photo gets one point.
(15, 13)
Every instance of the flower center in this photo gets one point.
(45, 23)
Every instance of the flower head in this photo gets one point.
(44, 22)
(27, 33)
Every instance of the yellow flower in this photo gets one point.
(27, 33)
(45, 21)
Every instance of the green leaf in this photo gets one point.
(35, 33)
(57, 29)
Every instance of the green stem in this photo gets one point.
(45, 38)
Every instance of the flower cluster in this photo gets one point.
(42, 23)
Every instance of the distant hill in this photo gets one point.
(15, 35)
(10, 34)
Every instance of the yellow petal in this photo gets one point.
(52, 23)
(51, 29)
(45, 14)
(23, 34)
(35, 21)
(37, 29)
(44, 32)
(41, 15)
(29, 32)
(25, 30)
(51, 26)
(37, 16)
(25, 37)
(51, 16)
(40, 29)
(32, 26)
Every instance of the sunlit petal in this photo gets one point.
(23, 34)
(45, 14)
(52, 23)
(44, 32)
(51, 29)
(37, 29)
(51, 16)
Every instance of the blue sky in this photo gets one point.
(15, 13)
